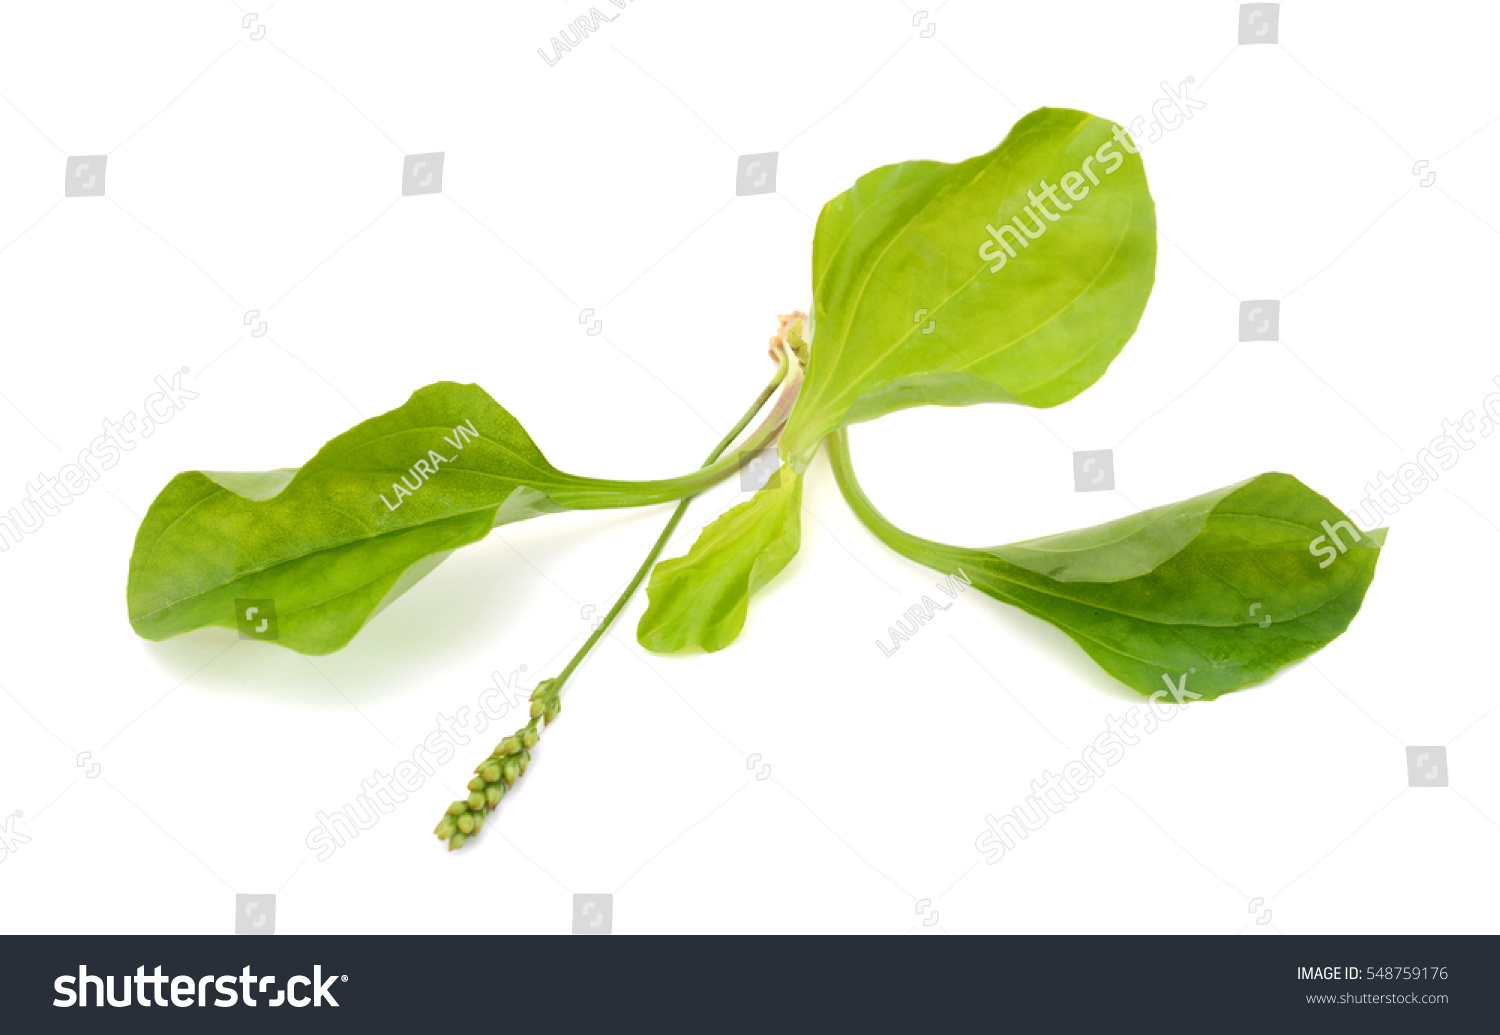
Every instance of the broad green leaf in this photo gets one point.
(700, 599)
(1208, 595)
(915, 302)
(332, 542)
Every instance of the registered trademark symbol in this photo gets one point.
(343, 977)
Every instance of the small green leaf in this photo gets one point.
(1222, 589)
(700, 599)
(915, 302)
(321, 548)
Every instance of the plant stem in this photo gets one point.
(671, 526)
(923, 551)
(495, 775)
(592, 494)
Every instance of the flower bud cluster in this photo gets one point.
(498, 773)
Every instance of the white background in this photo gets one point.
(264, 174)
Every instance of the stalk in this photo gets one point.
(505, 765)
(923, 551)
(594, 494)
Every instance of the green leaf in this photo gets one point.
(1222, 589)
(331, 543)
(700, 599)
(914, 303)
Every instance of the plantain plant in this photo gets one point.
(1015, 276)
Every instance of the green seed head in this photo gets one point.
(477, 784)
(491, 773)
(553, 707)
(466, 823)
(493, 793)
(445, 828)
(508, 746)
(524, 760)
(538, 708)
(478, 822)
(530, 738)
(475, 802)
(512, 772)
(458, 808)
(456, 842)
